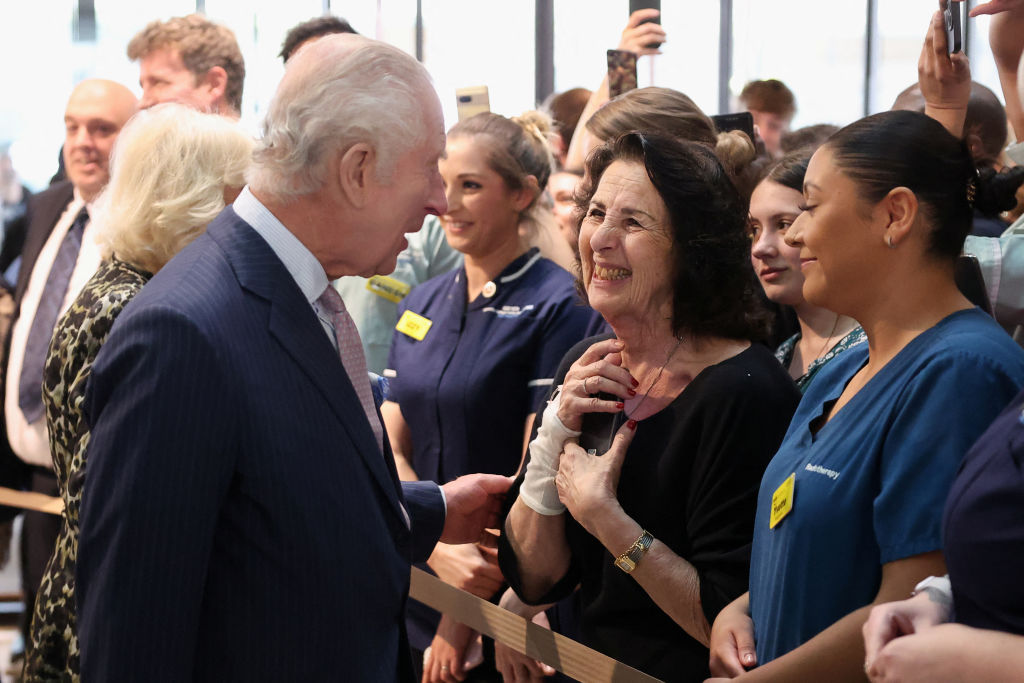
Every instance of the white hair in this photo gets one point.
(336, 92)
(169, 169)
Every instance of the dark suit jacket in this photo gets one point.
(41, 216)
(239, 522)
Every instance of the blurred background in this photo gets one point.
(842, 59)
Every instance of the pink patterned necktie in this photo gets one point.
(350, 348)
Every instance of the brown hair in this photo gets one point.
(770, 96)
(520, 147)
(566, 109)
(670, 112)
(715, 290)
(202, 45)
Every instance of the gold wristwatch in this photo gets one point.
(628, 560)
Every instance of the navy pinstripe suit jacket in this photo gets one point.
(238, 521)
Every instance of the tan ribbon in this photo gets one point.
(564, 654)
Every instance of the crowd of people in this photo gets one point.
(717, 403)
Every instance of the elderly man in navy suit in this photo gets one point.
(242, 519)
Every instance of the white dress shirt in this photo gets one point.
(30, 441)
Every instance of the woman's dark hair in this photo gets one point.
(716, 291)
(789, 171)
(907, 149)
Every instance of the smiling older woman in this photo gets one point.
(659, 527)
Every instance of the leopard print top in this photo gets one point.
(52, 652)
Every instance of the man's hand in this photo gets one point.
(474, 501)
(472, 567)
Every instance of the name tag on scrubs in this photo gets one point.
(388, 287)
(782, 501)
(413, 325)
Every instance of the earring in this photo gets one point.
(888, 239)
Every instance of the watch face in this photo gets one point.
(625, 564)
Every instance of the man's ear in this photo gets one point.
(901, 208)
(356, 173)
(216, 83)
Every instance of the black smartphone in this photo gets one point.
(742, 121)
(969, 280)
(621, 72)
(598, 429)
(634, 5)
(954, 26)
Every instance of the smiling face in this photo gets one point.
(164, 78)
(483, 212)
(773, 208)
(626, 247)
(95, 113)
(562, 186)
(837, 236)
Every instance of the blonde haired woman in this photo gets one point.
(464, 391)
(173, 171)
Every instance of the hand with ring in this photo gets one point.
(598, 371)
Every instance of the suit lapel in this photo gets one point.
(296, 327)
(44, 211)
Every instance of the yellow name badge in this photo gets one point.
(413, 325)
(782, 501)
(388, 287)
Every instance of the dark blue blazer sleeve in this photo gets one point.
(425, 504)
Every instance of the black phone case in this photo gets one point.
(599, 428)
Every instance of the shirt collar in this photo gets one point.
(307, 272)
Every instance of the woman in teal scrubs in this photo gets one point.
(849, 510)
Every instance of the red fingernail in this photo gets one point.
(631, 392)
(631, 424)
(620, 406)
(635, 382)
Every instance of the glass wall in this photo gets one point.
(818, 48)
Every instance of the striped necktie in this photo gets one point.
(30, 384)
(350, 348)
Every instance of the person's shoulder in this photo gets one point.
(61, 191)
(755, 369)
(968, 338)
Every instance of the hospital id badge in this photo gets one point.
(782, 501)
(414, 325)
(388, 287)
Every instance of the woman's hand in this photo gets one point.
(891, 620)
(587, 484)
(732, 639)
(455, 650)
(598, 370)
(945, 79)
(470, 566)
(513, 666)
(638, 35)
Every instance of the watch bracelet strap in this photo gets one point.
(636, 551)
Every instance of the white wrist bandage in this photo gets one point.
(538, 490)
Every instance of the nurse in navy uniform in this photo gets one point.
(475, 350)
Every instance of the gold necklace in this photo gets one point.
(679, 342)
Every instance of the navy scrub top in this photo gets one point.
(984, 528)
(483, 367)
(871, 484)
